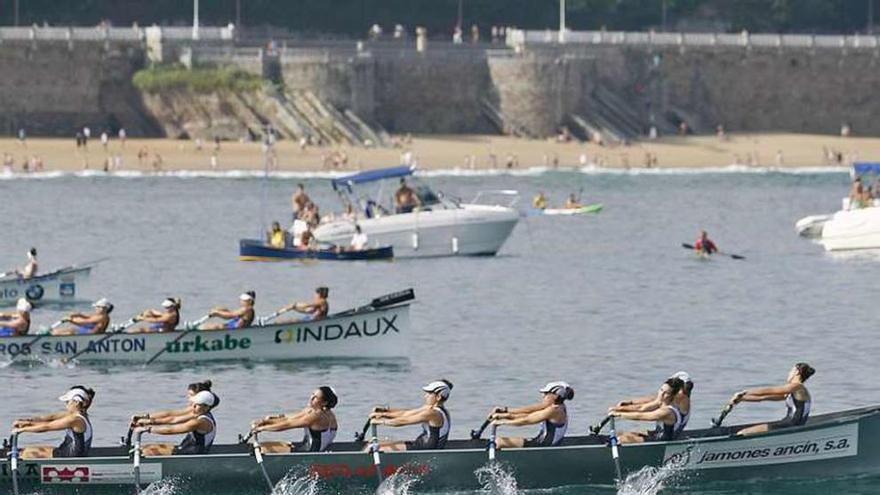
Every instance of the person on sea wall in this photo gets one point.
(18, 322)
(160, 320)
(796, 396)
(317, 421)
(668, 417)
(550, 413)
(88, 324)
(173, 416)
(200, 429)
(242, 317)
(432, 416)
(73, 421)
(681, 400)
(312, 311)
(405, 199)
(704, 246)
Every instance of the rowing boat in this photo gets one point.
(56, 287)
(254, 250)
(838, 444)
(583, 210)
(358, 334)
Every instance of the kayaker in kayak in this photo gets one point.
(550, 413)
(682, 401)
(74, 421)
(88, 324)
(539, 202)
(571, 203)
(704, 245)
(164, 320)
(433, 417)
(17, 322)
(313, 311)
(242, 317)
(668, 417)
(796, 396)
(173, 416)
(317, 421)
(200, 429)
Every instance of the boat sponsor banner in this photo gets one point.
(328, 331)
(98, 474)
(813, 445)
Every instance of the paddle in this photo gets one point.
(492, 443)
(382, 301)
(595, 429)
(113, 331)
(615, 453)
(190, 328)
(734, 256)
(13, 463)
(36, 339)
(137, 461)
(258, 454)
(374, 450)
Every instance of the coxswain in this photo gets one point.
(405, 199)
(17, 322)
(359, 240)
(88, 324)
(173, 416)
(276, 236)
(539, 202)
(793, 392)
(242, 317)
(433, 417)
(682, 401)
(73, 421)
(571, 203)
(704, 246)
(200, 429)
(317, 421)
(550, 413)
(668, 418)
(160, 320)
(312, 311)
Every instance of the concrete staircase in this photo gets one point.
(504, 125)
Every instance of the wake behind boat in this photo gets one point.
(829, 445)
(256, 250)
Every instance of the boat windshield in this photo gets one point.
(381, 200)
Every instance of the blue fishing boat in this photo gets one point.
(256, 250)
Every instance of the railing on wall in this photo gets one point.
(100, 33)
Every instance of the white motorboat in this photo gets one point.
(811, 226)
(56, 287)
(441, 226)
(852, 229)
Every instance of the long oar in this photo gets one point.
(13, 463)
(191, 327)
(29, 345)
(492, 443)
(374, 450)
(113, 331)
(734, 256)
(360, 436)
(476, 434)
(595, 429)
(716, 422)
(258, 454)
(137, 461)
(615, 452)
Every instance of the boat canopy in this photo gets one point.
(371, 176)
(863, 168)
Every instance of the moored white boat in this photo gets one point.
(58, 287)
(440, 227)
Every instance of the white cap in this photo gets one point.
(560, 389)
(74, 394)
(102, 303)
(683, 376)
(439, 387)
(246, 297)
(204, 398)
(23, 305)
(169, 303)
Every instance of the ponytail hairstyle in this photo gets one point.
(199, 386)
(805, 371)
(330, 397)
(89, 392)
(675, 385)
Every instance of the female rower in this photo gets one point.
(242, 317)
(668, 417)
(433, 417)
(317, 421)
(164, 320)
(74, 421)
(550, 413)
(200, 429)
(313, 311)
(83, 324)
(173, 416)
(682, 401)
(17, 322)
(794, 393)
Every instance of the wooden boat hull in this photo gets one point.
(59, 287)
(840, 444)
(254, 250)
(371, 334)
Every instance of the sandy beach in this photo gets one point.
(445, 152)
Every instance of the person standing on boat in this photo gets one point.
(160, 320)
(317, 421)
(299, 200)
(200, 429)
(405, 199)
(17, 322)
(30, 269)
(433, 417)
(667, 417)
(550, 413)
(796, 396)
(704, 246)
(359, 240)
(88, 324)
(682, 401)
(242, 317)
(313, 311)
(74, 421)
(173, 416)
